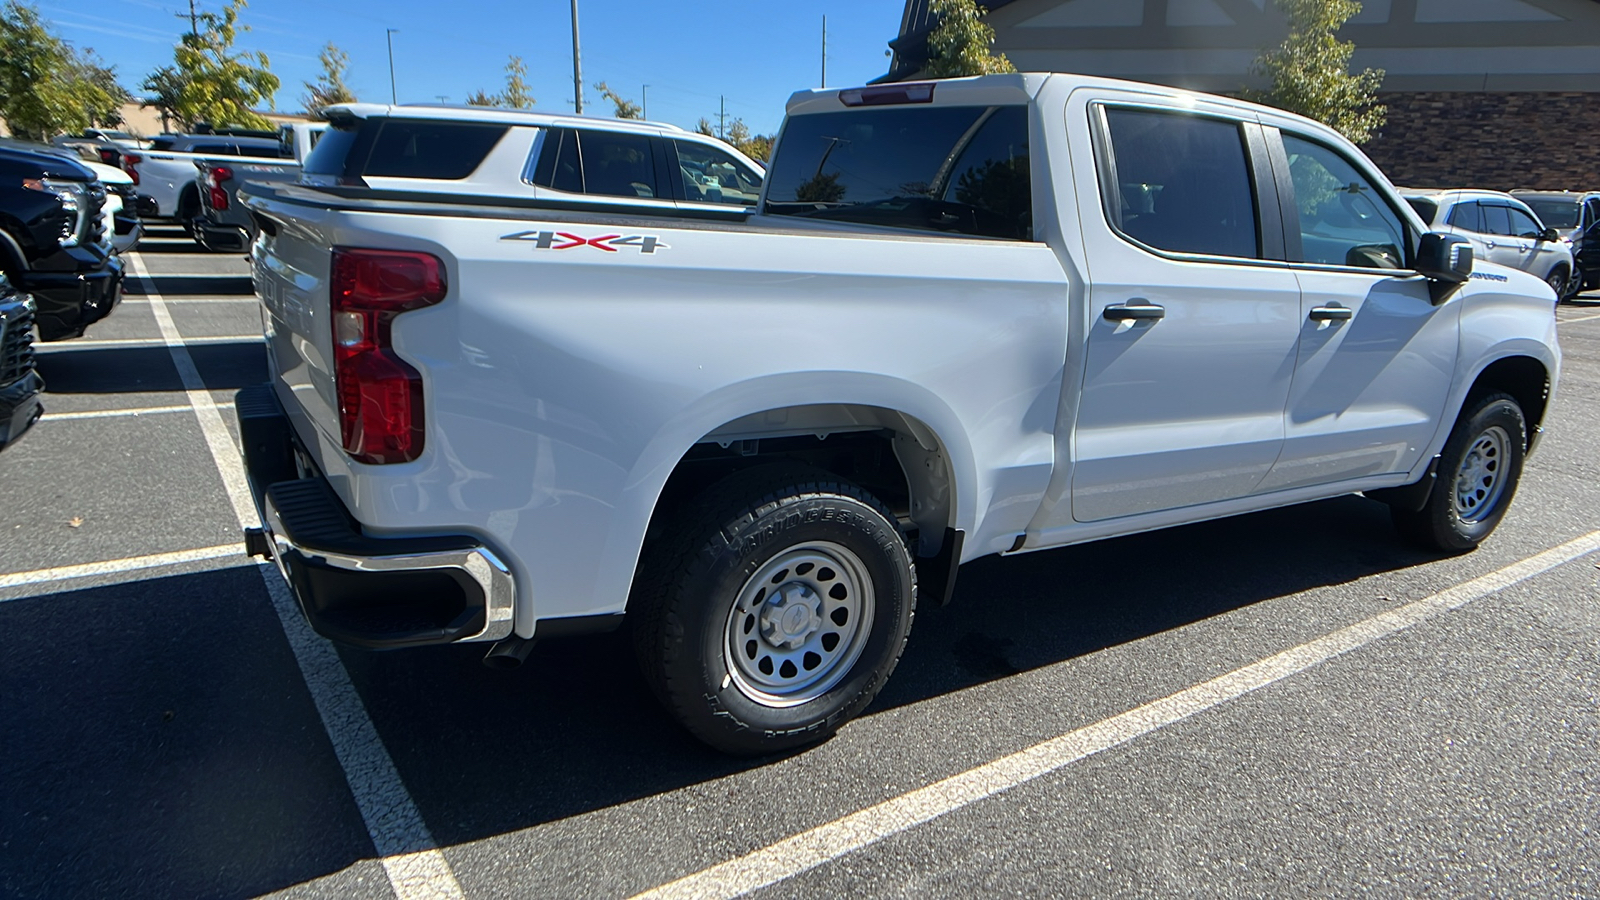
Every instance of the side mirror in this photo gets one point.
(1445, 258)
(1550, 235)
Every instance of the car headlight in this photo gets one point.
(74, 197)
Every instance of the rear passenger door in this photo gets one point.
(1193, 313)
(1375, 355)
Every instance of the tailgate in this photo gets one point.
(290, 263)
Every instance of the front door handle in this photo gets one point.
(1133, 310)
(1334, 313)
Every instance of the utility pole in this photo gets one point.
(194, 18)
(394, 96)
(644, 102)
(722, 116)
(824, 51)
(577, 67)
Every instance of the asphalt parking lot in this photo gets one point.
(1284, 704)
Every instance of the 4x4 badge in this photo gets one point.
(566, 240)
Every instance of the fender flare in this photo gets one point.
(645, 481)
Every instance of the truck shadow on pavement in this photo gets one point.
(160, 740)
(134, 370)
(575, 729)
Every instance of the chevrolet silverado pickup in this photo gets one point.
(221, 224)
(968, 317)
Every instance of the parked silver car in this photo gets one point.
(1502, 230)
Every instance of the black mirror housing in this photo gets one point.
(1445, 258)
(1550, 235)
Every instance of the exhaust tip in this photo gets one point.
(509, 654)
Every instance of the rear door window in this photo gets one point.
(1182, 183)
(1467, 217)
(1496, 219)
(609, 163)
(960, 169)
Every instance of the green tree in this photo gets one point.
(46, 86)
(221, 85)
(963, 43)
(482, 98)
(626, 109)
(163, 88)
(1310, 71)
(330, 86)
(516, 95)
(755, 146)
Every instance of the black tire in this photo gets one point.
(1558, 279)
(1477, 477)
(719, 557)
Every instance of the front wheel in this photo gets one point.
(777, 612)
(1477, 477)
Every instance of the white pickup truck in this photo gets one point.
(967, 317)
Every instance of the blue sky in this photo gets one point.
(756, 53)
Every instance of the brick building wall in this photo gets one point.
(1499, 141)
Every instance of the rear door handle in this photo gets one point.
(1133, 310)
(1333, 313)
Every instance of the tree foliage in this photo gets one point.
(330, 86)
(1310, 71)
(219, 84)
(756, 146)
(516, 95)
(162, 90)
(626, 109)
(46, 86)
(963, 43)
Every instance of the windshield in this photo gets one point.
(1556, 213)
(957, 169)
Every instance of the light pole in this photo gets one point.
(644, 102)
(577, 68)
(394, 96)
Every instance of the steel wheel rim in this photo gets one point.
(1481, 477)
(799, 624)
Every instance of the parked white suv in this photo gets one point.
(1502, 230)
(521, 156)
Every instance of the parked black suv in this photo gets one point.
(20, 385)
(53, 244)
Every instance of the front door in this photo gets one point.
(1193, 322)
(1376, 355)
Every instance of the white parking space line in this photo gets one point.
(1560, 321)
(410, 856)
(118, 413)
(115, 566)
(146, 342)
(171, 300)
(817, 846)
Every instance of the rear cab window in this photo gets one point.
(952, 169)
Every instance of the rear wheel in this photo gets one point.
(776, 611)
(1477, 477)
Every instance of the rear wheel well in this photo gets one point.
(1525, 379)
(900, 462)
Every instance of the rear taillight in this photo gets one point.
(129, 160)
(215, 178)
(380, 395)
(108, 156)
